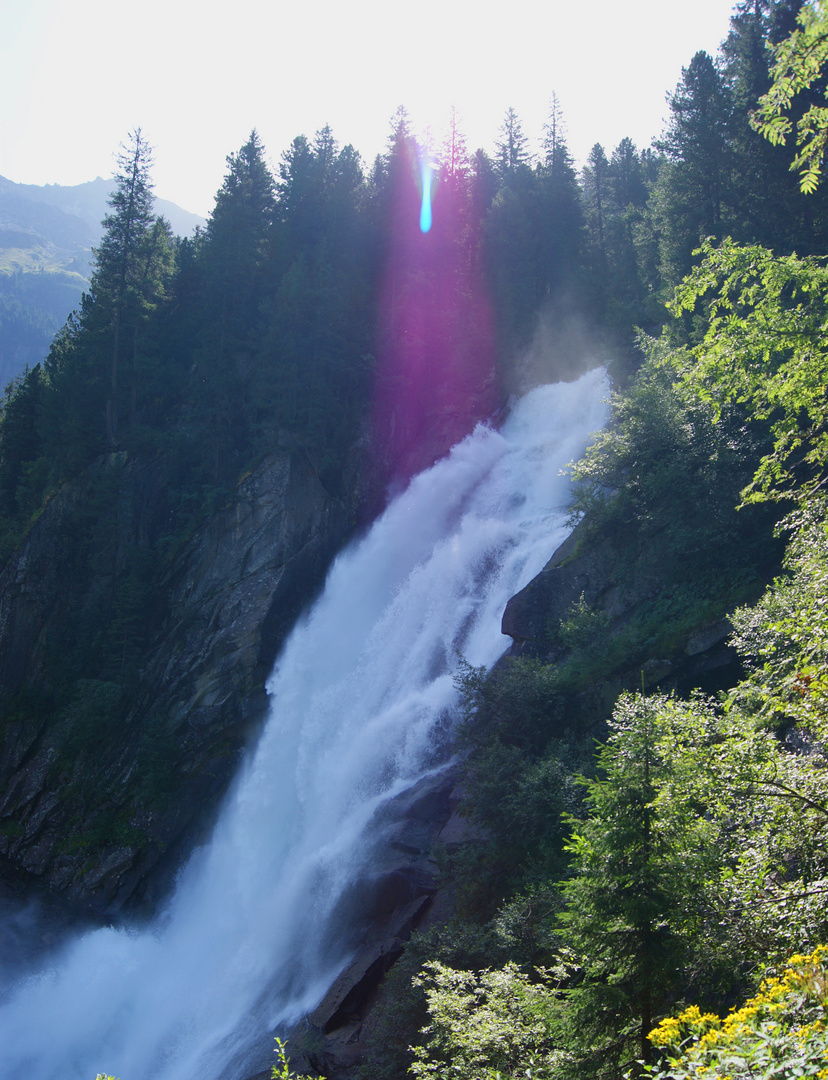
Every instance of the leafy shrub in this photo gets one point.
(784, 638)
(488, 1025)
(780, 1033)
(582, 625)
(282, 1071)
(664, 456)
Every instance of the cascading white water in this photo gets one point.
(362, 695)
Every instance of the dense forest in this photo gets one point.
(614, 905)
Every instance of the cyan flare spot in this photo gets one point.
(427, 173)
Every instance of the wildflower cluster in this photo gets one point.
(781, 1032)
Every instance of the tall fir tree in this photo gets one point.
(693, 194)
(560, 221)
(595, 188)
(512, 147)
(121, 284)
(629, 901)
(234, 262)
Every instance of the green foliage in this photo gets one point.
(764, 352)
(520, 702)
(799, 63)
(677, 882)
(520, 759)
(401, 1011)
(281, 1070)
(779, 1033)
(490, 1025)
(656, 493)
(701, 858)
(784, 638)
(637, 866)
(693, 188)
(132, 266)
(20, 446)
(719, 177)
(581, 626)
(661, 458)
(621, 256)
(532, 237)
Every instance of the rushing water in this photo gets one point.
(361, 699)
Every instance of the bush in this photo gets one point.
(779, 1033)
(488, 1025)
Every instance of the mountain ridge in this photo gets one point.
(47, 237)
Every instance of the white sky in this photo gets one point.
(77, 75)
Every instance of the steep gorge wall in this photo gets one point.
(107, 780)
(106, 822)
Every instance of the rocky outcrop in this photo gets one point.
(84, 823)
(624, 590)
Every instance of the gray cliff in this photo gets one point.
(80, 821)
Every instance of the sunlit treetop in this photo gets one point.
(800, 60)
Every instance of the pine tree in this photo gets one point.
(768, 206)
(693, 190)
(308, 367)
(633, 882)
(119, 261)
(595, 187)
(20, 439)
(629, 244)
(556, 156)
(559, 213)
(233, 270)
(454, 158)
(512, 151)
(238, 238)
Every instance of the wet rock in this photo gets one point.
(346, 1000)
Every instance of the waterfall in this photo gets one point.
(362, 699)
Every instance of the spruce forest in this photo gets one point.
(644, 887)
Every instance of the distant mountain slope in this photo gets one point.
(47, 234)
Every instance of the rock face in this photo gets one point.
(229, 596)
(620, 592)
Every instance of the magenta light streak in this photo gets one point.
(435, 341)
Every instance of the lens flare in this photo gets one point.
(427, 174)
(435, 362)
